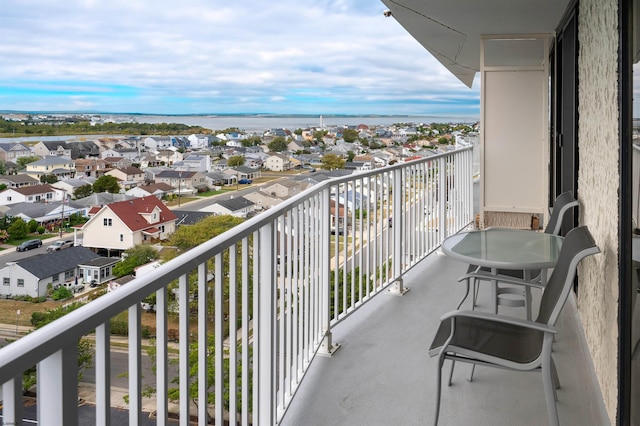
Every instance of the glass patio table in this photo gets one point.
(500, 248)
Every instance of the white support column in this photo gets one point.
(103, 374)
(58, 388)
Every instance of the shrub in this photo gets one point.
(61, 293)
(40, 230)
(32, 225)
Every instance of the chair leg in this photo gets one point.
(453, 365)
(475, 294)
(439, 390)
(473, 369)
(549, 388)
(466, 294)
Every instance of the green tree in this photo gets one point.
(235, 161)
(350, 135)
(332, 162)
(3, 168)
(23, 161)
(61, 293)
(278, 144)
(32, 225)
(18, 228)
(134, 257)
(252, 141)
(106, 183)
(189, 236)
(350, 155)
(83, 191)
(319, 135)
(48, 178)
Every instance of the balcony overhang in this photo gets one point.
(451, 29)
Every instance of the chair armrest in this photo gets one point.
(481, 275)
(501, 319)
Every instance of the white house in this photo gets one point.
(239, 207)
(277, 163)
(31, 194)
(119, 226)
(33, 275)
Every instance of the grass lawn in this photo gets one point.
(182, 201)
(210, 193)
(15, 242)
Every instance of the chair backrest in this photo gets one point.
(577, 245)
(563, 203)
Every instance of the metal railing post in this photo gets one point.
(327, 348)
(397, 254)
(265, 406)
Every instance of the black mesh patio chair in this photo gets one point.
(489, 339)
(564, 202)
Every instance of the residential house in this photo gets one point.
(61, 167)
(12, 151)
(83, 149)
(199, 141)
(70, 185)
(116, 162)
(33, 275)
(52, 149)
(285, 188)
(238, 206)
(18, 181)
(31, 194)
(128, 176)
(151, 172)
(244, 172)
(156, 143)
(128, 153)
(158, 190)
(263, 200)
(168, 156)
(98, 270)
(186, 182)
(100, 199)
(194, 163)
(50, 214)
(118, 226)
(217, 179)
(94, 167)
(277, 163)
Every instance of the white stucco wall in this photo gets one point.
(598, 181)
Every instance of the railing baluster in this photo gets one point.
(103, 374)
(58, 387)
(246, 325)
(135, 365)
(12, 404)
(219, 322)
(162, 358)
(203, 345)
(183, 336)
(266, 363)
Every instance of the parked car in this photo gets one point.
(60, 245)
(245, 181)
(28, 245)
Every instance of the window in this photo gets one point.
(20, 282)
(6, 281)
(8, 198)
(69, 274)
(55, 278)
(107, 221)
(49, 196)
(121, 237)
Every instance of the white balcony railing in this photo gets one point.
(264, 295)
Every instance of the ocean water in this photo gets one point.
(260, 123)
(251, 123)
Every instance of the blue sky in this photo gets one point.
(210, 56)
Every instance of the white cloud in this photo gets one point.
(332, 56)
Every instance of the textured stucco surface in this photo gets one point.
(598, 187)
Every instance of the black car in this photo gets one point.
(28, 245)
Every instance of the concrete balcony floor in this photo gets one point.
(382, 375)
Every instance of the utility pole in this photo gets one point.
(64, 197)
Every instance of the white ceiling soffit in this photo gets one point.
(450, 29)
